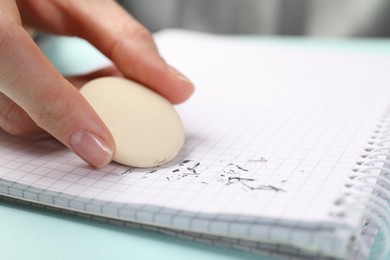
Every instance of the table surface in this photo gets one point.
(34, 233)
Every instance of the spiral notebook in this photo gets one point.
(286, 153)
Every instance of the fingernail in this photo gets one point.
(91, 148)
(187, 89)
(179, 75)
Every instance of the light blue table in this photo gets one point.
(33, 233)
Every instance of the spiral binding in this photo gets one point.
(368, 189)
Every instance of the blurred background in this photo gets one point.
(322, 18)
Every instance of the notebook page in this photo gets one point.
(272, 132)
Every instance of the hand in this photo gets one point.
(36, 98)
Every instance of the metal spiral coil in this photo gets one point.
(368, 189)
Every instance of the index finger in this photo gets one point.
(119, 36)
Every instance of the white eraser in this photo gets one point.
(146, 128)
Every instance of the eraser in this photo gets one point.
(146, 128)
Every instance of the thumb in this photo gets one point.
(28, 79)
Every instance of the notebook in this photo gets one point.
(286, 153)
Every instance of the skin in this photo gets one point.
(36, 99)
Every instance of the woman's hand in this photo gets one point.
(36, 98)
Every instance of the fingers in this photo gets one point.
(131, 47)
(29, 80)
(81, 80)
(137, 58)
(116, 34)
(15, 120)
(42, 99)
